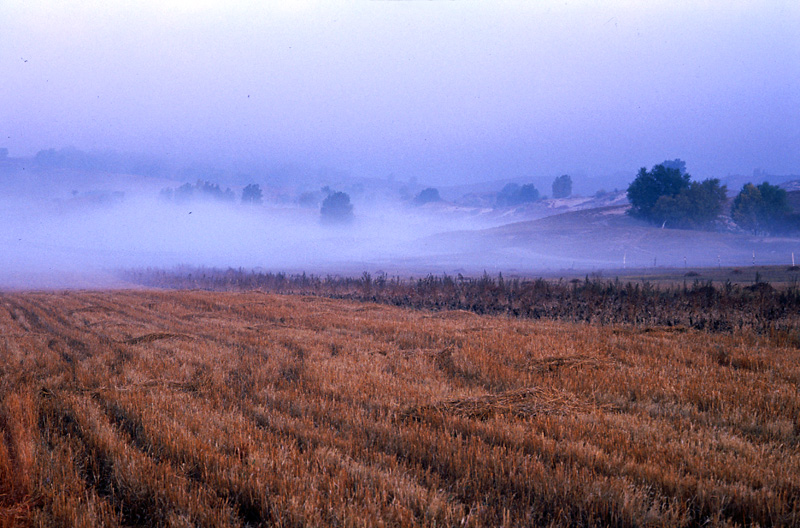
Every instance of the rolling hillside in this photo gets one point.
(608, 238)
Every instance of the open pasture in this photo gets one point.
(189, 408)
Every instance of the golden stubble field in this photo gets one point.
(152, 408)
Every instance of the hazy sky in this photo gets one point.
(445, 91)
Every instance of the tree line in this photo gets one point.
(667, 196)
(206, 190)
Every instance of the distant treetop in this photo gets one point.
(515, 194)
(202, 190)
(677, 163)
(562, 186)
(252, 194)
(336, 209)
(427, 196)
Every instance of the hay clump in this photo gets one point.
(550, 364)
(520, 403)
(149, 338)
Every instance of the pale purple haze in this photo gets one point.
(444, 91)
(382, 99)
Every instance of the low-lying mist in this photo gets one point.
(56, 234)
(82, 240)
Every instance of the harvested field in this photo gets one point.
(186, 408)
(522, 403)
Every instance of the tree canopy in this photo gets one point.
(761, 208)
(562, 186)
(514, 194)
(252, 194)
(666, 195)
(694, 207)
(336, 208)
(202, 190)
(675, 164)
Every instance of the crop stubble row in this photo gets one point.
(201, 408)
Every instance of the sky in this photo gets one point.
(443, 91)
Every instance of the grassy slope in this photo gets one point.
(603, 237)
(232, 409)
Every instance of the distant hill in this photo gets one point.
(735, 182)
(483, 205)
(606, 237)
(791, 185)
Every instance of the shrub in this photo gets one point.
(514, 194)
(427, 196)
(336, 208)
(252, 194)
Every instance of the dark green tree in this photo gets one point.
(761, 209)
(336, 209)
(648, 187)
(562, 186)
(694, 207)
(667, 196)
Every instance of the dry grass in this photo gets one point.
(247, 409)
(709, 304)
(149, 338)
(521, 403)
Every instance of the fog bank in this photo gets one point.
(82, 239)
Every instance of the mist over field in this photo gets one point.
(63, 240)
(52, 236)
(103, 105)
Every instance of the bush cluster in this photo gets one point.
(667, 196)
